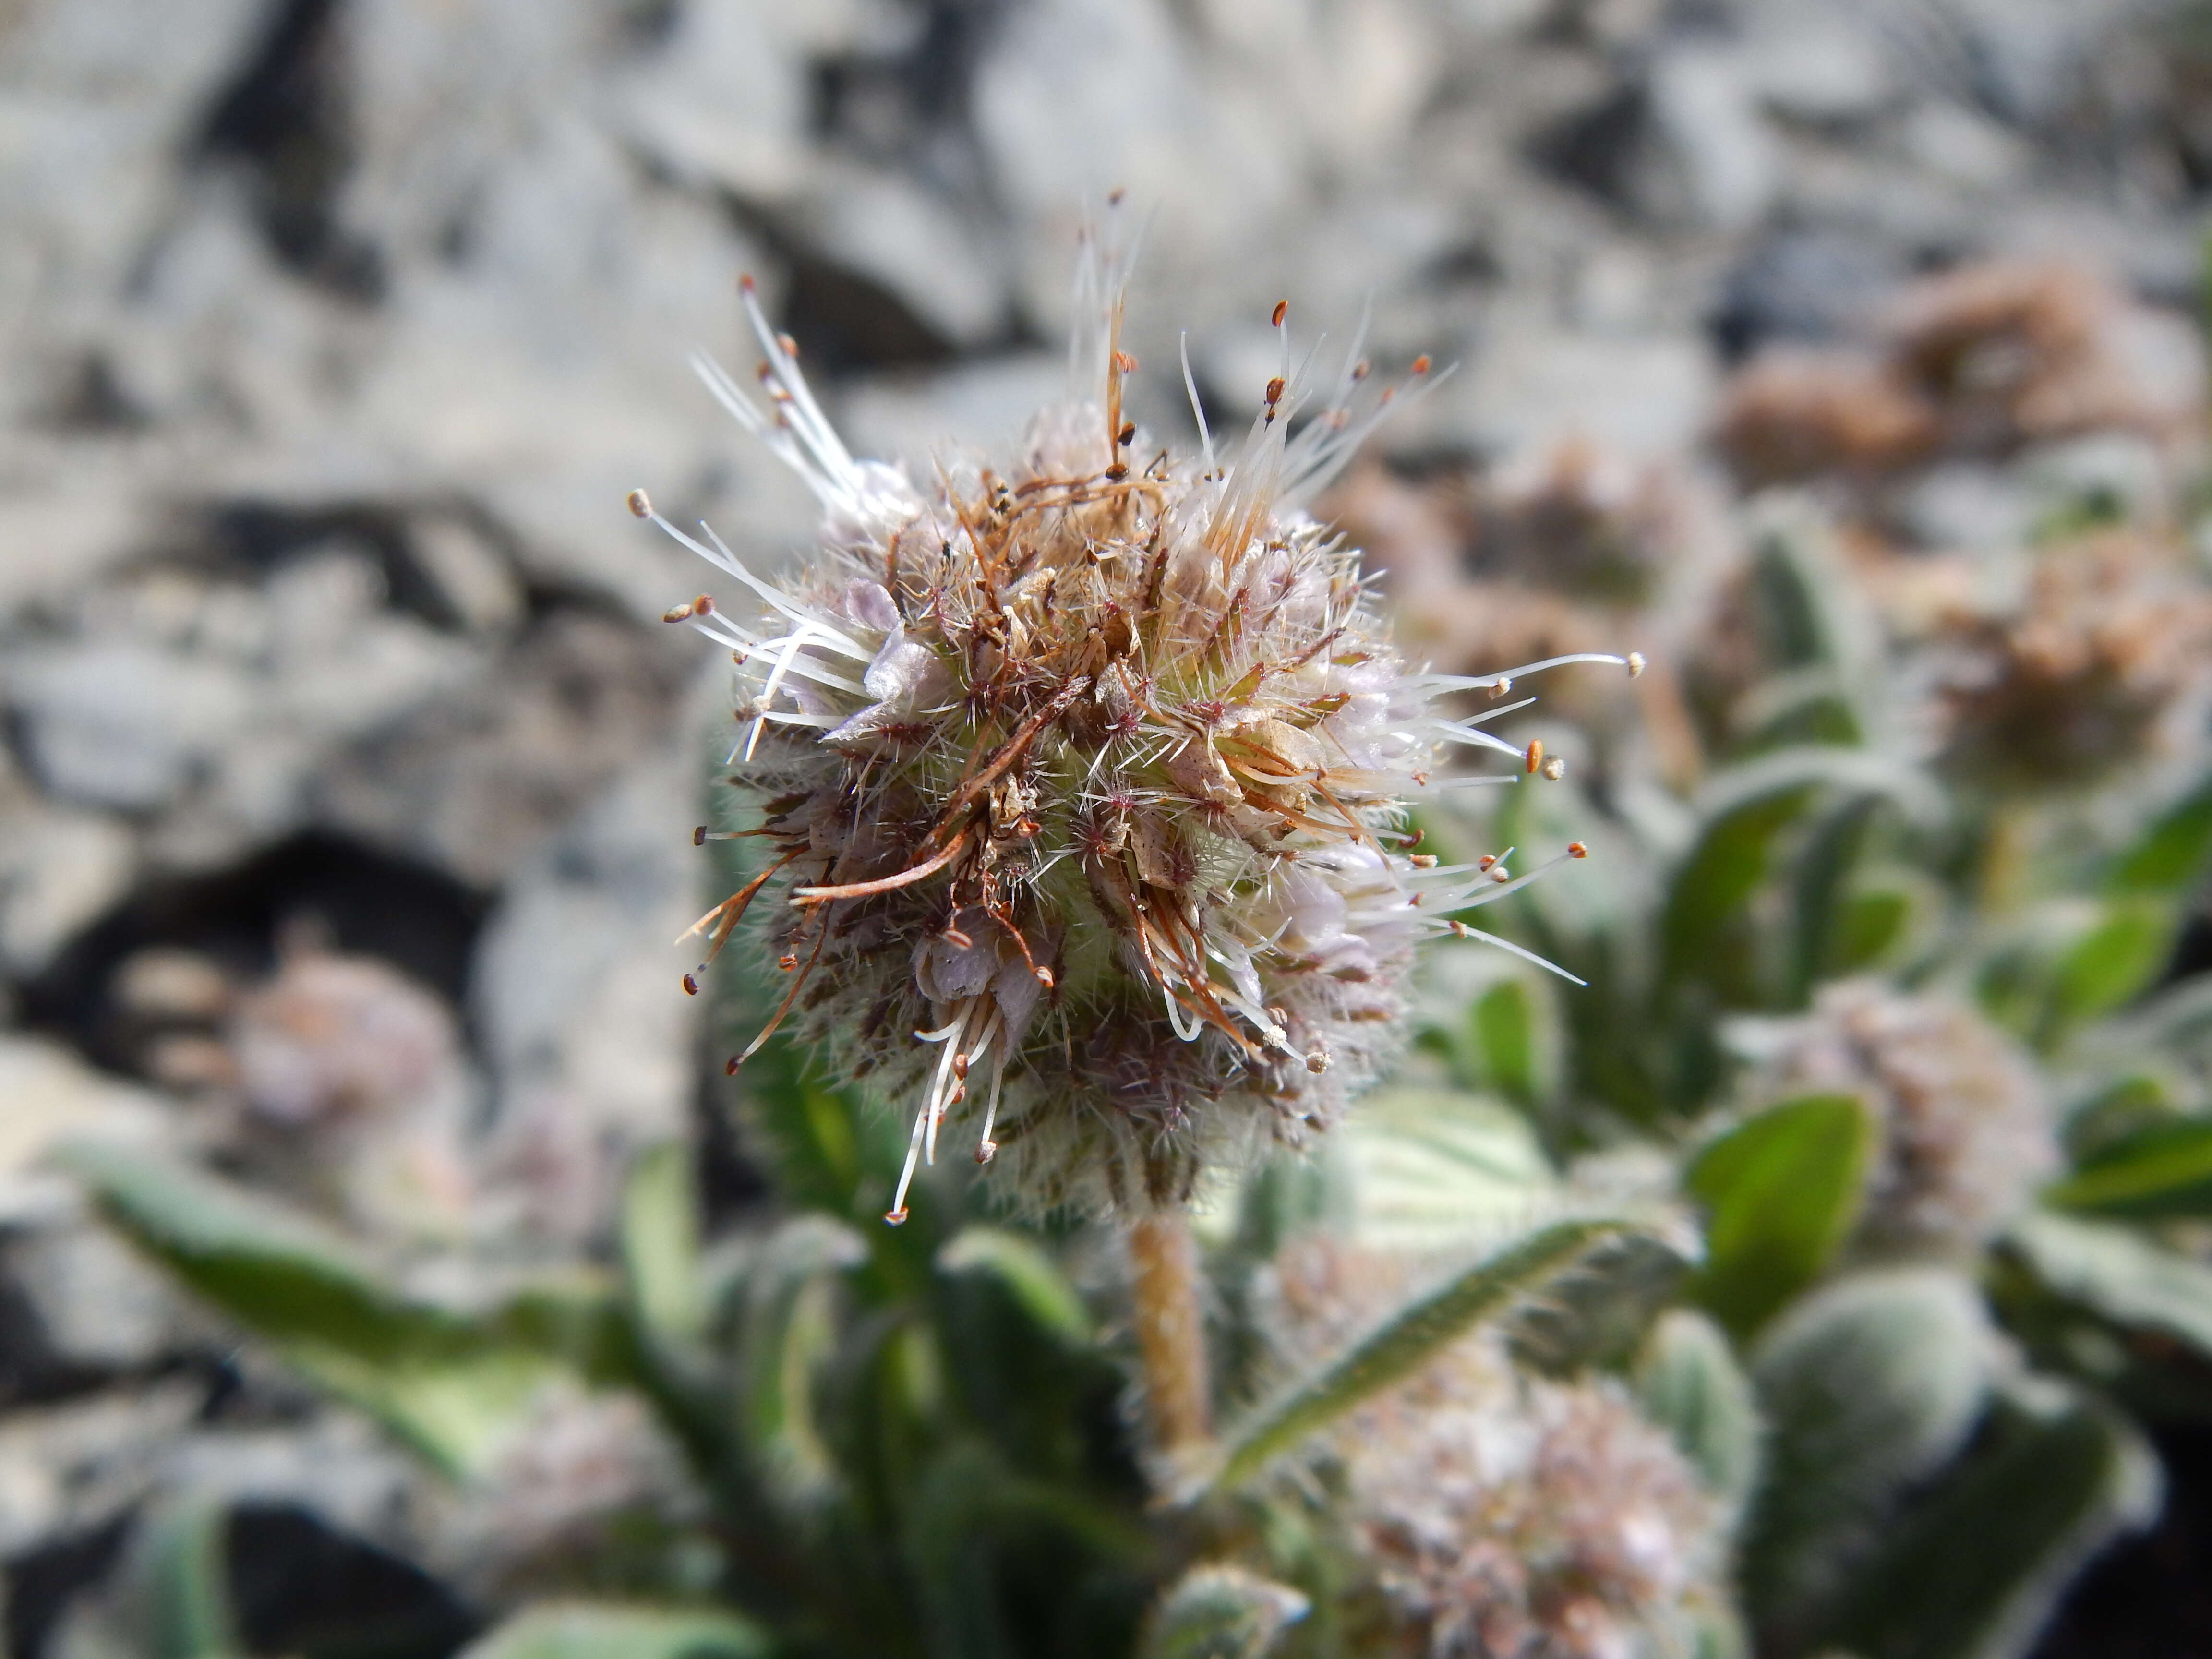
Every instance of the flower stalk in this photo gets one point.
(1170, 1327)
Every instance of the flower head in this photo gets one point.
(2100, 666)
(1084, 776)
(1965, 1134)
(1494, 1515)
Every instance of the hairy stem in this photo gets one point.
(2007, 855)
(1171, 1330)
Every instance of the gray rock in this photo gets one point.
(114, 723)
(99, 1305)
(1817, 64)
(1705, 110)
(1964, 146)
(52, 1095)
(65, 1469)
(478, 779)
(1965, 505)
(59, 868)
(985, 405)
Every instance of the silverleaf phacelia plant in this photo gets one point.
(1083, 777)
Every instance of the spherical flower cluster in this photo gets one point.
(1499, 1516)
(1083, 779)
(2099, 665)
(1965, 1134)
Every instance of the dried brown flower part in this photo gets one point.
(1569, 550)
(1499, 1516)
(1796, 413)
(1965, 1133)
(1081, 778)
(2009, 353)
(1976, 362)
(2093, 671)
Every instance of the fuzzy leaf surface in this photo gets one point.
(1221, 1612)
(1975, 1567)
(583, 1630)
(1688, 1381)
(1408, 1339)
(451, 1387)
(1869, 1386)
(2116, 1272)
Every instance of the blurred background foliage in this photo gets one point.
(1828, 1274)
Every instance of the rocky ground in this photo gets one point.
(347, 763)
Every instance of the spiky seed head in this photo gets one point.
(1965, 1133)
(1082, 774)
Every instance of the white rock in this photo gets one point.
(948, 270)
(1533, 386)
(53, 1095)
(471, 575)
(60, 868)
(1703, 105)
(1814, 64)
(67, 1468)
(576, 986)
(983, 405)
(99, 1304)
(116, 724)
(336, 1466)
(96, 102)
(1964, 145)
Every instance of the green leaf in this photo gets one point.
(2118, 1272)
(791, 1321)
(1407, 1341)
(1031, 1277)
(1506, 1033)
(1688, 1382)
(660, 1244)
(1722, 871)
(1825, 910)
(1221, 1612)
(177, 1580)
(583, 1630)
(1431, 1167)
(2161, 1172)
(451, 1388)
(1870, 927)
(2108, 965)
(2170, 857)
(1974, 1568)
(1745, 811)
(1782, 1191)
(1868, 1387)
(970, 1518)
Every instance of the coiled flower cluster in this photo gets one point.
(1083, 778)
